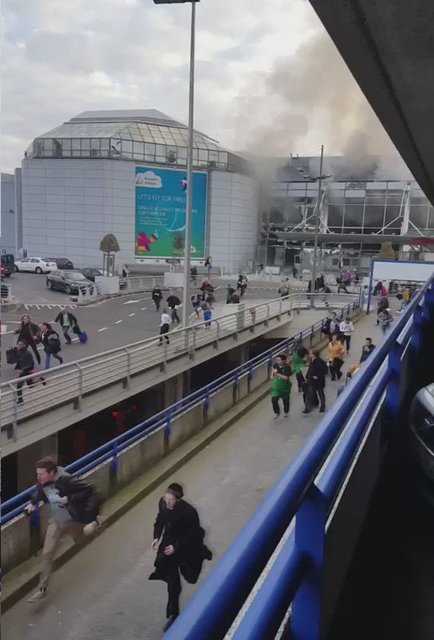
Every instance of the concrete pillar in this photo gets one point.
(27, 457)
(173, 389)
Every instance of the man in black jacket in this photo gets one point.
(178, 540)
(173, 302)
(74, 511)
(67, 321)
(315, 383)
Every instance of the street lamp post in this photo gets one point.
(189, 192)
(317, 222)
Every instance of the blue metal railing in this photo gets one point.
(295, 577)
(14, 506)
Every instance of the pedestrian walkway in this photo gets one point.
(104, 592)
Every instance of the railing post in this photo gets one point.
(165, 346)
(267, 320)
(128, 352)
(80, 386)
(393, 399)
(191, 352)
(15, 421)
(310, 539)
(216, 343)
(280, 309)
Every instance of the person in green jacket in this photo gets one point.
(280, 385)
(299, 362)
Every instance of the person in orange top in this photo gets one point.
(335, 357)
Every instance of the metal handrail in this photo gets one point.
(149, 351)
(220, 598)
(13, 507)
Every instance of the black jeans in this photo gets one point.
(33, 347)
(312, 396)
(164, 329)
(300, 379)
(157, 303)
(24, 372)
(335, 368)
(173, 592)
(175, 317)
(275, 403)
(346, 340)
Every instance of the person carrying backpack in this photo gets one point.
(74, 511)
(50, 340)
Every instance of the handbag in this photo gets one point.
(76, 329)
(11, 356)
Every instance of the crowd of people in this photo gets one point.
(30, 336)
(311, 369)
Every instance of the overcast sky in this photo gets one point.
(265, 71)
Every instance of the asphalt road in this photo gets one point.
(109, 323)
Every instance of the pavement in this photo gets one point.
(104, 592)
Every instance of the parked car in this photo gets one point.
(7, 264)
(35, 265)
(68, 281)
(422, 439)
(62, 263)
(92, 272)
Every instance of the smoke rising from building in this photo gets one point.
(308, 99)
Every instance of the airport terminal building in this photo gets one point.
(124, 172)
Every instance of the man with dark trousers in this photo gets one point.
(178, 541)
(280, 385)
(315, 383)
(173, 302)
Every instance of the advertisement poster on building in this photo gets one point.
(160, 212)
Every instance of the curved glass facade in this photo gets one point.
(139, 142)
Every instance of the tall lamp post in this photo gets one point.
(320, 178)
(188, 200)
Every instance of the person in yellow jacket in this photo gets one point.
(335, 357)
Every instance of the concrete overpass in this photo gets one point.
(389, 48)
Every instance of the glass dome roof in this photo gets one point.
(139, 135)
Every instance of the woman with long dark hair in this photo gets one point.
(51, 342)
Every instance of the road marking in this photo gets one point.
(143, 308)
(131, 314)
(131, 302)
(102, 329)
(118, 321)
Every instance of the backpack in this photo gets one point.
(53, 343)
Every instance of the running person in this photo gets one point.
(280, 385)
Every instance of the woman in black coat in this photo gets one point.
(178, 540)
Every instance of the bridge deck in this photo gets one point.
(103, 592)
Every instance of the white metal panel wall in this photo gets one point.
(233, 219)
(69, 205)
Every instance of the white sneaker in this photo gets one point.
(90, 528)
(276, 416)
(285, 415)
(38, 595)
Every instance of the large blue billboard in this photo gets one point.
(160, 212)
